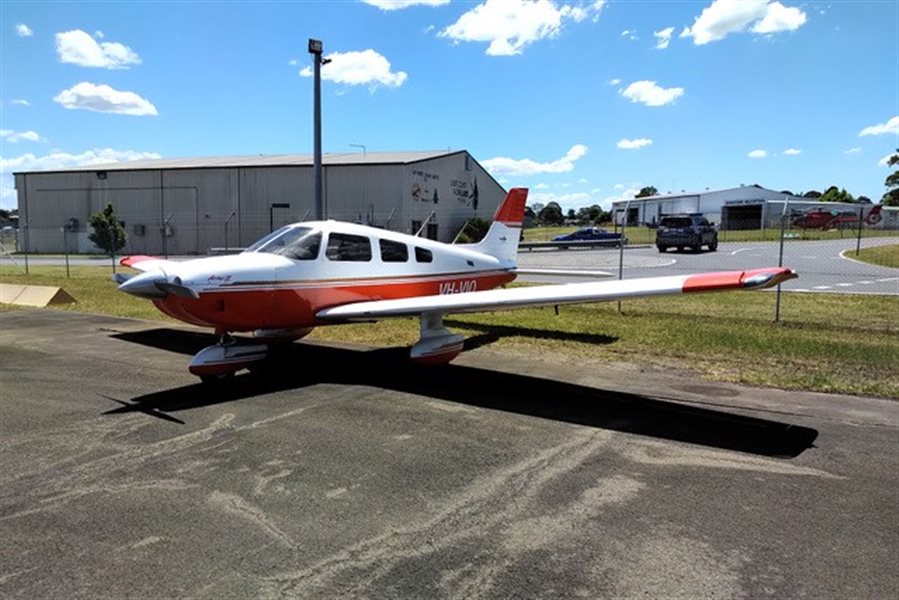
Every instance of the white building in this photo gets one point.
(744, 207)
(190, 206)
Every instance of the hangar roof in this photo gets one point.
(265, 160)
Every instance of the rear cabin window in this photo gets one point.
(346, 247)
(393, 251)
(423, 256)
(676, 222)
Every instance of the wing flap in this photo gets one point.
(551, 295)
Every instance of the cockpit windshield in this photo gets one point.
(298, 243)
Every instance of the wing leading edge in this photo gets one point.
(550, 295)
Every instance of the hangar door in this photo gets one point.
(735, 218)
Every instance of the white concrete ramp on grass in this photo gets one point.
(33, 295)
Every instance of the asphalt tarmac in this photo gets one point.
(347, 472)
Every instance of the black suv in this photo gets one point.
(681, 231)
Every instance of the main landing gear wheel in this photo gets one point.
(219, 362)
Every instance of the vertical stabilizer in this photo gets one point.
(502, 238)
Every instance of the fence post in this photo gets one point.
(65, 243)
(627, 206)
(858, 242)
(25, 237)
(780, 258)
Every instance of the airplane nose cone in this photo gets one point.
(144, 285)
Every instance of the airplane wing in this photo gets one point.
(146, 263)
(554, 295)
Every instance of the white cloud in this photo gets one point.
(614, 81)
(14, 137)
(582, 180)
(891, 126)
(79, 48)
(23, 30)
(102, 98)
(634, 144)
(630, 34)
(723, 17)
(663, 37)
(618, 186)
(780, 18)
(525, 166)
(541, 186)
(99, 34)
(650, 94)
(626, 194)
(885, 161)
(792, 151)
(510, 25)
(359, 68)
(56, 161)
(758, 154)
(401, 4)
(854, 150)
(20, 102)
(293, 62)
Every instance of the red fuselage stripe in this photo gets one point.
(292, 305)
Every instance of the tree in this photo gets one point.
(811, 194)
(891, 198)
(109, 233)
(834, 194)
(571, 214)
(647, 191)
(551, 214)
(474, 231)
(589, 214)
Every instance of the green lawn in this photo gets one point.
(828, 343)
(885, 256)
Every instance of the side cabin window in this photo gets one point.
(393, 251)
(423, 256)
(347, 247)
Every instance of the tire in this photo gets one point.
(713, 246)
(662, 248)
(680, 248)
(217, 379)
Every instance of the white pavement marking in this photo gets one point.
(845, 285)
(735, 252)
(822, 287)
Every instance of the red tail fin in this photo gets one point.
(511, 211)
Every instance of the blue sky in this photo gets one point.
(583, 102)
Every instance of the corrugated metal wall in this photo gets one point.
(189, 211)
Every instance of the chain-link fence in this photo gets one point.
(823, 247)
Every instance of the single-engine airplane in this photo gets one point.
(317, 273)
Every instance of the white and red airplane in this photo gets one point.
(317, 273)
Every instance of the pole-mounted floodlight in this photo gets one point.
(315, 49)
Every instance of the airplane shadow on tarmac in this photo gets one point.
(482, 388)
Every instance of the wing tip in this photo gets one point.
(737, 280)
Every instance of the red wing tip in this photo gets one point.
(736, 280)
(132, 260)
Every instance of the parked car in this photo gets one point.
(686, 231)
(587, 234)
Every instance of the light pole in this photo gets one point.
(315, 49)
